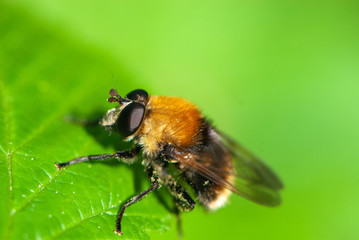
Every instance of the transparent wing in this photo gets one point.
(253, 179)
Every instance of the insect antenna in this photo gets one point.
(113, 80)
(115, 97)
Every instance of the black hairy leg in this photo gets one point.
(124, 155)
(182, 198)
(178, 219)
(182, 201)
(154, 185)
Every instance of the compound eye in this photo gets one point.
(130, 119)
(138, 95)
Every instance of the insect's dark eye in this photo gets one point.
(130, 119)
(139, 95)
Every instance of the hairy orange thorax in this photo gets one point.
(172, 120)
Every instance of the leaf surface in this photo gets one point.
(44, 77)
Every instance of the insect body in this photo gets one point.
(171, 133)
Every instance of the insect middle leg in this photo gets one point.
(182, 200)
(133, 200)
(124, 155)
(181, 197)
(154, 185)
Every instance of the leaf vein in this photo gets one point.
(55, 116)
(81, 221)
(43, 186)
(9, 152)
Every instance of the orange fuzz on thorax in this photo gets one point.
(170, 120)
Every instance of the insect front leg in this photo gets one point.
(154, 185)
(124, 156)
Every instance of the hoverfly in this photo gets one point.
(172, 132)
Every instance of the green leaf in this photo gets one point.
(280, 77)
(43, 77)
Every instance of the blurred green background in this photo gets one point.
(280, 77)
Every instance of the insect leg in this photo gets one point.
(182, 199)
(154, 184)
(179, 220)
(124, 155)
